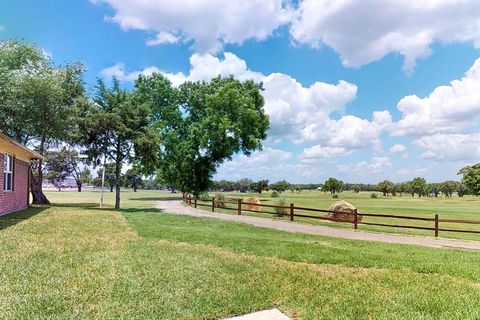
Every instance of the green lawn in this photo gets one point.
(467, 207)
(75, 261)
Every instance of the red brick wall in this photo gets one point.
(17, 199)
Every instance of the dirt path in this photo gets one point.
(177, 207)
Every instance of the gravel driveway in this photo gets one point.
(177, 207)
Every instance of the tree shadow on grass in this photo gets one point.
(11, 219)
(90, 206)
(84, 205)
(142, 210)
(157, 198)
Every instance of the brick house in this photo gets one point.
(14, 175)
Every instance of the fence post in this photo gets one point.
(355, 219)
(213, 204)
(436, 226)
(195, 202)
(292, 212)
(239, 206)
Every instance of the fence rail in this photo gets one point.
(292, 211)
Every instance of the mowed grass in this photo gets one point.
(73, 260)
(467, 207)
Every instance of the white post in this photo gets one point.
(103, 179)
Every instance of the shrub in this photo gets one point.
(281, 211)
(205, 196)
(220, 200)
(275, 194)
(374, 196)
(335, 196)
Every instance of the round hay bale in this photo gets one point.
(344, 211)
(253, 204)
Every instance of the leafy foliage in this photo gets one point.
(280, 186)
(333, 186)
(418, 186)
(386, 187)
(471, 178)
(259, 186)
(220, 200)
(203, 124)
(109, 176)
(133, 179)
(283, 203)
(37, 101)
(116, 126)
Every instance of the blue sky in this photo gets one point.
(359, 90)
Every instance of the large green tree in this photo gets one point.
(133, 179)
(67, 163)
(117, 126)
(418, 186)
(37, 102)
(260, 185)
(448, 188)
(386, 187)
(471, 178)
(203, 124)
(333, 186)
(280, 186)
(109, 176)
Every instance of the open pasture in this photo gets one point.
(463, 208)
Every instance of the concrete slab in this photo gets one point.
(272, 314)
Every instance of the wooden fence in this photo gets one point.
(292, 211)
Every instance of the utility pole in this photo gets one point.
(103, 179)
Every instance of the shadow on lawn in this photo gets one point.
(84, 205)
(142, 210)
(156, 198)
(11, 219)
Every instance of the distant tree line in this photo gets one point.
(417, 187)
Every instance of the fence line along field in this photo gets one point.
(423, 211)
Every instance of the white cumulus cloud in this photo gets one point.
(262, 164)
(397, 148)
(295, 111)
(450, 147)
(349, 131)
(118, 71)
(209, 24)
(321, 152)
(366, 31)
(448, 109)
(376, 165)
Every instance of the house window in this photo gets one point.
(8, 172)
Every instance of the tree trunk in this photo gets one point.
(134, 189)
(38, 197)
(79, 187)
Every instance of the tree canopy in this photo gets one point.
(202, 124)
(471, 178)
(280, 186)
(386, 187)
(37, 101)
(333, 186)
(116, 126)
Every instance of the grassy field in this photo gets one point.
(73, 260)
(467, 207)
